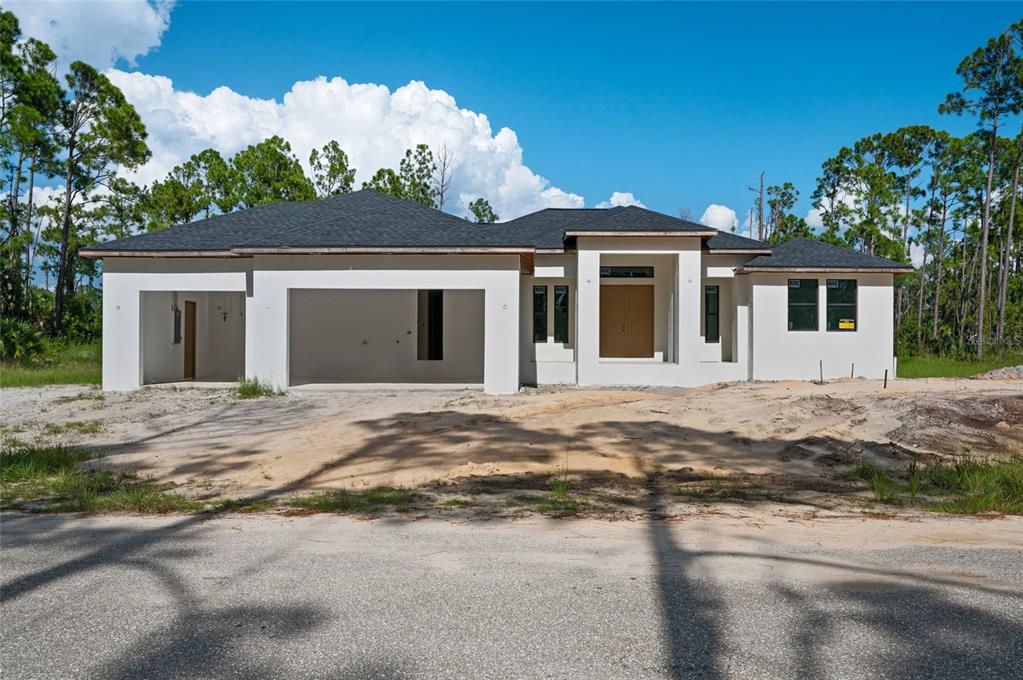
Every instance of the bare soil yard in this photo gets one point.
(786, 444)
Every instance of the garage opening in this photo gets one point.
(192, 336)
(386, 336)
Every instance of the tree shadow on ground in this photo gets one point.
(692, 605)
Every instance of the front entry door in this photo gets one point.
(627, 321)
(189, 340)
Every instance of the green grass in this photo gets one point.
(457, 503)
(373, 500)
(963, 487)
(245, 505)
(93, 395)
(74, 427)
(946, 367)
(50, 478)
(548, 504)
(251, 388)
(558, 502)
(70, 365)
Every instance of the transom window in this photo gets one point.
(803, 305)
(841, 305)
(626, 272)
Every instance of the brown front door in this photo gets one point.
(612, 321)
(189, 340)
(627, 321)
(639, 321)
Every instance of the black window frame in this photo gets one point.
(715, 314)
(814, 306)
(540, 316)
(839, 306)
(626, 272)
(561, 314)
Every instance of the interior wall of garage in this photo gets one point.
(219, 337)
(371, 336)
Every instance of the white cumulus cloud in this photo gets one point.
(621, 198)
(916, 254)
(720, 217)
(98, 33)
(373, 125)
(814, 216)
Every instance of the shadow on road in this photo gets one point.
(930, 625)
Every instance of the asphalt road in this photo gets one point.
(329, 597)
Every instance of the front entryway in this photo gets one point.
(627, 321)
(192, 335)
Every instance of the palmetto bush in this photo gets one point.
(20, 341)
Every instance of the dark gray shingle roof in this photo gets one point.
(368, 219)
(726, 240)
(805, 253)
(359, 219)
(547, 228)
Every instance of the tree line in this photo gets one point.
(947, 203)
(915, 193)
(76, 137)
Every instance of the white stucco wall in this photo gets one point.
(124, 281)
(371, 336)
(274, 275)
(547, 363)
(138, 329)
(781, 354)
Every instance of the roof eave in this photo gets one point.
(94, 253)
(385, 250)
(363, 250)
(738, 251)
(571, 233)
(837, 270)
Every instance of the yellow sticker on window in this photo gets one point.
(847, 324)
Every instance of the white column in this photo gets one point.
(501, 333)
(121, 333)
(266, 330)
(741, 342)
(588, 316)
(688, 306)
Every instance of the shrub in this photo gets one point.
(250, 388)
(20, 341)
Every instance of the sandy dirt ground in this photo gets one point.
(204, 440)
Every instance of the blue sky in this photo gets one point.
(682, 105)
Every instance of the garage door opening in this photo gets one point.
(192, 336)
(424, 337)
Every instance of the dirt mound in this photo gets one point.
(1005, 373)
(960, 426)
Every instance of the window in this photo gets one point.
(841, 304)
(430, 341)
(177, 326)
(561, 314)
(711, 309)
(626, 272)
(539, 313)
(803, 305)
